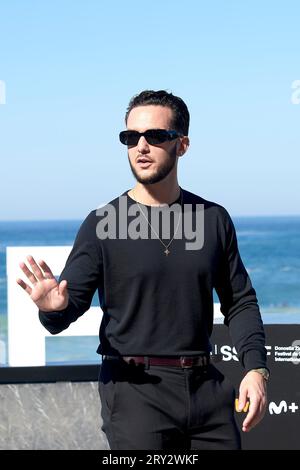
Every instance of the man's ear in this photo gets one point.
(183, 146)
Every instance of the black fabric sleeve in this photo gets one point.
(239, 302)
(83, 271)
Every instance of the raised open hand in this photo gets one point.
(45, 292)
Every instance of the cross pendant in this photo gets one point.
(166, 251)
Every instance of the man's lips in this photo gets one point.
(143, 159)
(144, 162)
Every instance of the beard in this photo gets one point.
(160, 173)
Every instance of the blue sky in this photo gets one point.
(71, 67)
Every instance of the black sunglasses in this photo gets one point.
(153, 136)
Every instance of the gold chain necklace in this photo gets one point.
(166, 251)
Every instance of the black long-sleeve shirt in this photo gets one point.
(158, 304)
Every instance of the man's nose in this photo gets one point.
(143, 145)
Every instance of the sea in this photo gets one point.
(269, 247)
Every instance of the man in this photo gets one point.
(158, 387)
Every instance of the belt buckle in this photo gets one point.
(130, 360)
(186, 362)
(137, 360)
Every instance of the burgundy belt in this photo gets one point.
(183, 361)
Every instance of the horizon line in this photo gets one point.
(81, 219)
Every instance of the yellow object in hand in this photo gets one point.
(245, 409)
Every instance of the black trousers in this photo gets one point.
(162, 407)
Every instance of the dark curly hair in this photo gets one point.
(181, 115)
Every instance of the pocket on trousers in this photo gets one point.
(226, 389)
(229, 391)
(108, 394)
(107, 386)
